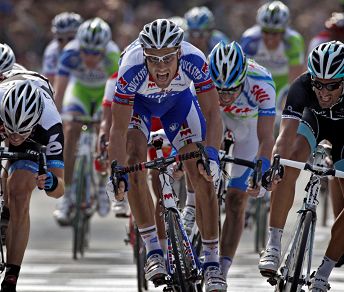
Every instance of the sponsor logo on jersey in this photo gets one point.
(151, 85)
(54, 147)
(192, 69)
(205, 68)
(259, 93)
(136, 80)
(237, 110)
(185, 132)
(173, 127)
(135, 120)
(122, 83)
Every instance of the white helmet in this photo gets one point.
(180, 21)
(326, 61)
(7, 58)
(66, 22)
(161, 33)
(22, 106)
(273, 15)
(94, 34)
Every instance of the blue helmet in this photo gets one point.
(326, 61)
(228, 65)
(199, 18)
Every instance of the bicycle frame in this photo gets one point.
(294, 256)
(168, 201)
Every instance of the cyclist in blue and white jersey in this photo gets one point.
(247, 102)
(28, 116)
(201, 30)
(277, 47)
(84, 67)
(64, 27)
(154, 81)
(313, 112)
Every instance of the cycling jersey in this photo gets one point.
(86, 84)
(316, 123)
(256, 99)
(176, 105)
(50, 58)
(49, 129)
(290, 52)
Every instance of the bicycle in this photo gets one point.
(84, 183)
(40, 157)
(294, 272)
(183, 266)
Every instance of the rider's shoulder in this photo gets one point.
(112, 47)
(257, 71)
(189, 51)
(52, 48)
(254, 32)
(291, 35)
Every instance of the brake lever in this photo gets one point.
(205, 158)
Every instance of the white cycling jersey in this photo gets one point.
(49, 129)
(50, 58)
(256, 99)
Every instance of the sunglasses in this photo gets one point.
(199, 33)
(24, 134)
(329, 86)
(157, 59)
(91, 52)
(229, 91)
(64, 39)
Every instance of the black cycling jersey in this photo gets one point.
(301, 96)
(302, 104)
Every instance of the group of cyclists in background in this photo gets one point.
(186, 77)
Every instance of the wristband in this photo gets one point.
(51, 182)
(265, 164)
(213, 153)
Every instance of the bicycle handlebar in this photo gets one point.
(321, 171)
(39, 156)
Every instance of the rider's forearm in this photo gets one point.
(117, 145)
(214, 130)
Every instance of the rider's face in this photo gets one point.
(16, 139)
(272, 39)
(162, 64)
(91, 58)
(328, 91)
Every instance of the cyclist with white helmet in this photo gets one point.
(7, 61)
(313, 112)
(154, 81)
(28, 116)
(247, 102)
(277, 47)
(83, 69)
(63, 27)
(201, 30)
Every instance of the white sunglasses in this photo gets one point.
(157, 59)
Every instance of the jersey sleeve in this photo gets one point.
(196, 68)
(297, 99)
(295, 50)
(126, 86)
(55, 147)
(49, 65)
(109, 91)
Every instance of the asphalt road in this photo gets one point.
(108, 264)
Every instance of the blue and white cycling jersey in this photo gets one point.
(176, 106)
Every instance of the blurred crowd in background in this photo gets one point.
(25, 24)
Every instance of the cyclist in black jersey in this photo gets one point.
(314, 111)
(29, 117)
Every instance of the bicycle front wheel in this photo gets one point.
(80, 221)
(181, 258)
(295, 280)
(140, 256)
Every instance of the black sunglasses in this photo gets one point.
(229, 91)
(329, 86)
